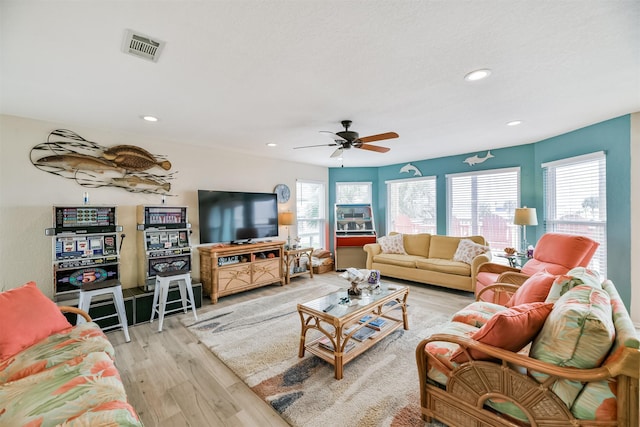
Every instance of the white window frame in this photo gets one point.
(513, 238)
(596, 227)
(347, 199)
(321, 218)
(415, 226)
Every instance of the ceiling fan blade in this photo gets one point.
(319, 145)
(337, 153)
(375, 148)
(333, 136)
(379, 137)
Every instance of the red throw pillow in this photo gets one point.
(534, 289)
(27, 316)
(511, 329)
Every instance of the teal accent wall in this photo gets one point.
(612, 136)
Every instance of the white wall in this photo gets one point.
(28, 194)
(635, 217)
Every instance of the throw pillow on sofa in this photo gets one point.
(534, 289)
(392, 244)
(468, 250)
(511, 329)
(574, 277)
(27, 316)
(578, 333)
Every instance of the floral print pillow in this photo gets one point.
(392, 244)
(468, 250)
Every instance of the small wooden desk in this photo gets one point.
(293, 256)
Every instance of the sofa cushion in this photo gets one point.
(597, 401)
(442, 350)
(397, 259)
(84, 391)
(574, 277)
(417, 244)
(55, 349)
(511, 329)
(27, 316)
(444, 266)
(534, 289)
(444, 247)
(392, 244)
(477, 313)
(467, 250)
(578, 333)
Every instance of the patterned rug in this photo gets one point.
(258, 340)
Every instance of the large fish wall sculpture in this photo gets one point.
(92, 165)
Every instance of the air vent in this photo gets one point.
(142, 46)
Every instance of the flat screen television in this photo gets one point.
(236, 217)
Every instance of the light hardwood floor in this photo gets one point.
(173, 380)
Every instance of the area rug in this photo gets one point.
(258, 340)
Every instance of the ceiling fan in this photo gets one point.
(346, 139)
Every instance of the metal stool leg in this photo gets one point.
(164, 292)
(84, 301)
(191, 299)
(118, 299)
(154, 305)
(182, 285)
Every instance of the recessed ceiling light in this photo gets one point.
(477, 75)
(514, 123)
(150, 118)
(271, 144)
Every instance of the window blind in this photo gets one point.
(311, 216)
(411, 205)
(575, 197)
(353, 192)
(483, 203)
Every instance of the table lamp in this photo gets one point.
(525, 216)
(286, 218)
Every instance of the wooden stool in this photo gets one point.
(112, 287)
(161, 291)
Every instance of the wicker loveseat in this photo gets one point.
(52, 373)
(570, 374)
(427, 258)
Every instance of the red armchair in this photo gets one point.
(555, 252)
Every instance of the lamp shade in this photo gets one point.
(286, 218)
(525, 216)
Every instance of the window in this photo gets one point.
(411, 205)
(311, 214)
(482, 203)
(353, 192)
(575, 198)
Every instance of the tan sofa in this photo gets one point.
(429, 259)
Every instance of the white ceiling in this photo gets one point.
(239, 74)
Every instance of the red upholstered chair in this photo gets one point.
(555, 252)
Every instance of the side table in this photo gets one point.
(291, 261)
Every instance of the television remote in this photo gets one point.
(329, 308)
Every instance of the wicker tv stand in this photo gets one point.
(229, 269)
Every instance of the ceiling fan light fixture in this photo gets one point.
(476, 75)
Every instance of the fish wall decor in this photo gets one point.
(408, 168)
(131, 168)
(474, 160)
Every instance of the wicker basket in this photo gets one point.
(319, 269)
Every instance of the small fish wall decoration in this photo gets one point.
(474, 160)
(92, 165)
(408, 168)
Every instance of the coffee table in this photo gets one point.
(338, 324)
